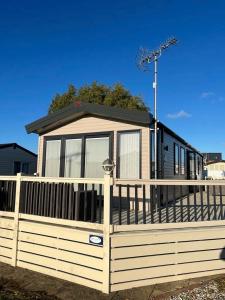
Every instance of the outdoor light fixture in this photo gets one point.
(144, 58)
(108, 166)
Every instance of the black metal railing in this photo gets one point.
(80, 202)
(7, 195)
(150, 204)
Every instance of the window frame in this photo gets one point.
(81, 136)
(176, 146)
(119, 133)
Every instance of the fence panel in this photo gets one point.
(167, 201)
(151, 257)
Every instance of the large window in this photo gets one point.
(73, 158)
(129, 155)
(182, 161)
(96, 151)
(176, 159)
(76, 156)
(52, 158)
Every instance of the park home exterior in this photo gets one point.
(112, 231)
(75, 141)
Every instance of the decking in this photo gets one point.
(133, 233)
(191, 208)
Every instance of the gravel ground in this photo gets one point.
(212, 290)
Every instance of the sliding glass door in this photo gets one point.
(76, 156)
(96, 151)
(52, 158)
(73, 158)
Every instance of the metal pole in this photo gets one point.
(155, 115)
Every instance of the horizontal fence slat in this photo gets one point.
(168, 259)
(6, 242)
(5, 260)
(61, 255)
(5, 252)
(166, 236)
(6, 223)
(64, 222)
(61, 275)
(185, 268)
(61, 244)
(6, 233)
(60, 265)
(145, 282)
(145, 250)
(7, 214)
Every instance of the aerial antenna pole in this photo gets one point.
(145, 57)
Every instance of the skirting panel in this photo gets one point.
(150, 257)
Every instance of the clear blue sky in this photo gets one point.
(45, 45)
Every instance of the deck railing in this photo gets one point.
(76, 199)
(128, 201)
(167, 201)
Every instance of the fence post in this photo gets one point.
(16, 220)
(106, 232)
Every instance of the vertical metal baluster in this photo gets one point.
(34, 198)
(70, 201)
(53, 200)
(221, 203)
(119, 211)
(29, 197)
(85, 202)
(46, 196)
(152, 196)
(195, 203)
(144, 205)
(214, 202)
(167, 200)
(7, 195)
(100, 204)
(26, 197)
(136, 205)
(11, 195)
(93, 203)
(202, 207)
(174, 203)
(188, 205)
(208, 204)
(181, 204)
(159, 202)
(63, 200)
(128, 204)
(58, 195)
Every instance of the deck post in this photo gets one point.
(16, 220)
(106, 232)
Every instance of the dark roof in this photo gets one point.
(215, 162)
(172, 133)
(15, 145)
(80, 109)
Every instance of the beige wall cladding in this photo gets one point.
(145, 258)
(92, 125)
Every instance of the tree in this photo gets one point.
(100, 94)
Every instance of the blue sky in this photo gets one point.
(45, 45)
